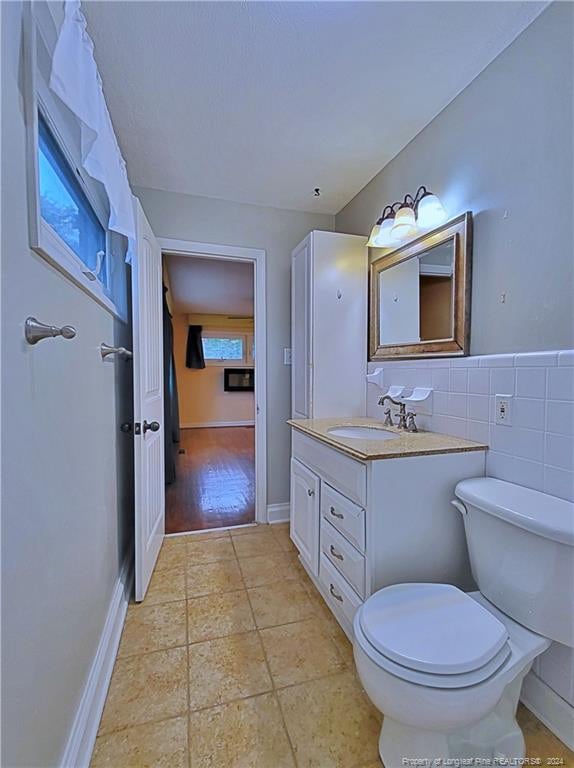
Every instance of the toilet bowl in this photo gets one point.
(446, 667)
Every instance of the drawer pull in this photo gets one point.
(336, 514)
(310, 492)
(335, 595)
(336, 554)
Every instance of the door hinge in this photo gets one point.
(137, 428)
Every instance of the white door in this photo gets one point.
(148, 403)
(399, 297)
(305, 513)
(301, 407)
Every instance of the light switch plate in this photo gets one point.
(286, 356)
(503, 409)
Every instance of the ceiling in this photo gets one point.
(261, 102)
(210, 286)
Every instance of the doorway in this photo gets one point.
(215, 296)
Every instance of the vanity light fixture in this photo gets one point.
(404, 219)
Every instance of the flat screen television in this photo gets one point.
(238, 379)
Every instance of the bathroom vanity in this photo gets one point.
(373, 510)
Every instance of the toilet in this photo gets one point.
(446, 667)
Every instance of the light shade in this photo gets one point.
(430, 212)
(372, 241)
(405, 224)
(381, 234)
(385, 238)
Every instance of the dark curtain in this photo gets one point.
(194, 353)
(170, 402)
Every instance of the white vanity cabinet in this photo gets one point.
(362, 525)
(305, 494)
(329, 278)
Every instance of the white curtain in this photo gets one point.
(76, 80)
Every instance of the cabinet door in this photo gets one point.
(305, 513)
(301, 406)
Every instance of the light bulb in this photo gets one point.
(430, 212)
(405, 224)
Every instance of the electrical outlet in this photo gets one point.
(286, 356)
(503, 408)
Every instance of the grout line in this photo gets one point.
(113, 731)
(153, 650)
(150, 653)
(289, 739)
(224, 529)
(188, 681)
(231, 701)
(220, 637)
(272, 679)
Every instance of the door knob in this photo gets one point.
(152, 425)
(126, 427)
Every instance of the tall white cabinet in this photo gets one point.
(329, 326)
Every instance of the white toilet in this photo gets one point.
(446, 667)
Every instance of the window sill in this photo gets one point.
(52, 248)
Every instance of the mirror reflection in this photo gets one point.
(416, 297)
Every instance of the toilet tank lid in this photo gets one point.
(534, 511)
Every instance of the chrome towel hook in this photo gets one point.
(35, 331)
(106, 350)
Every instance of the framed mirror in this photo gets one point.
(420, 295)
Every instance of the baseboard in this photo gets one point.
(549, 707)
(278, 513)
(79, 748)
(203, 424)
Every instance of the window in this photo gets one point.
(65, 207)
(223, 349)
(220, 348)
(68, 210)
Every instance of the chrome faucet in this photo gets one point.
(402, 424)
(411, 423)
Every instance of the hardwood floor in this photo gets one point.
(215, 484)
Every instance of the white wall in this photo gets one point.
(503, 149)
(66, 513)
(278, 231)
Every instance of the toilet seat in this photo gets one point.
(434, 635)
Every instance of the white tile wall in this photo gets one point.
(536, 451)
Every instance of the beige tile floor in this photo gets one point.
(234, 661)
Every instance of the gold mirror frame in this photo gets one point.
(459, 230)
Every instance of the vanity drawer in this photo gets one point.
(345, 558)
(347, 517)
(338, 594)
(349, 475)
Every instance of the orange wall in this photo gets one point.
(201, 396)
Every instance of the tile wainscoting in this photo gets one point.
(537, 450)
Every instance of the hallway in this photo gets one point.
(215, 485)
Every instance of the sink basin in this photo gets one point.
(362, 433)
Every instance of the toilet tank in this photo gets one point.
(521, 549)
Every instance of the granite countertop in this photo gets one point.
(405, 444)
